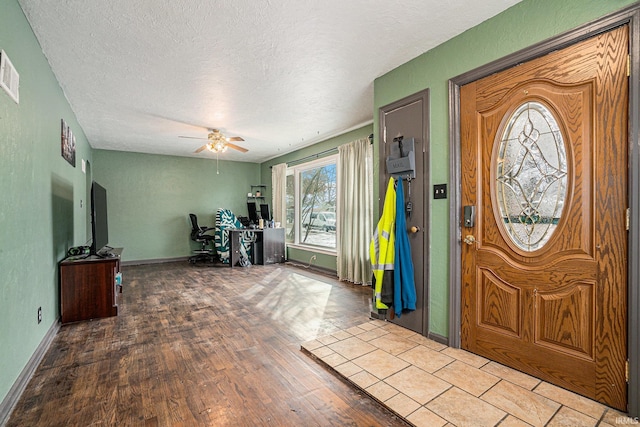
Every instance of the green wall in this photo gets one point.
(149, 198)
(298, 254)
(520, 26)
(40, 197)
(43, 206)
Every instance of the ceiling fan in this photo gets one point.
(218, 143)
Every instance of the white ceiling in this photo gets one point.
(282, 74)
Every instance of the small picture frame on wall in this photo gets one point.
(68, 143)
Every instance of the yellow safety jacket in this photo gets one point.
(382, 250)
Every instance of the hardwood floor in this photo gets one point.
(202, 345)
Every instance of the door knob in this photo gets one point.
(469, 239)
(414, 229)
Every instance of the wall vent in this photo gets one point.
(9, 77)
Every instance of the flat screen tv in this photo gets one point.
(99, 223)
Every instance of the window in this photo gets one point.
(312, 194)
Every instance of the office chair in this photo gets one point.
(198, 235)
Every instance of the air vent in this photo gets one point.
(9, 77)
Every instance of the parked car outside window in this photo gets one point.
(323, 220)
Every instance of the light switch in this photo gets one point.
(440, 191)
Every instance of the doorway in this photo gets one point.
(407, 119)
(544, 265)
(630, 17)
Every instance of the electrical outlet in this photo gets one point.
(39, 315)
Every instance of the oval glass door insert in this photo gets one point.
(531, 179)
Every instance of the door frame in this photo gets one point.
(631, 17)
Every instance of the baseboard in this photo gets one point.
(315, 268)
(155, 261)
(12, 397)
(438, 338)
(435, 337)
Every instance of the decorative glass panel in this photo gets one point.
(531, 179)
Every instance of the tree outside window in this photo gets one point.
(314, 208)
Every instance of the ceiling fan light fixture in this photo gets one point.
(218, 146)
(218, 143)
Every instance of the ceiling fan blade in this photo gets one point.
(237, 147)
(235, 138)
(191, 137)
(201, 148)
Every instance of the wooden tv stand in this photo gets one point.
(88, 288)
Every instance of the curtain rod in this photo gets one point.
(317, 155)
(313, 156)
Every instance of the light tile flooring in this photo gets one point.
(429, 384)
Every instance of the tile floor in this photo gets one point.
(430, 384)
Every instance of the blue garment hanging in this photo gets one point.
(404, 296)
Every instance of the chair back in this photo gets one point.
(195, 229)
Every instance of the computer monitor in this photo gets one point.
(264, 211)
(253, 212)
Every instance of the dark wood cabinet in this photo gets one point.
(90, 287)
(268, 247)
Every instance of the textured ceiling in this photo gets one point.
(280, 74)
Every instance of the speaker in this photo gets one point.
(78, 250)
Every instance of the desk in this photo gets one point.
(268, 248)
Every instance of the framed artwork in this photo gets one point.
(68, 143)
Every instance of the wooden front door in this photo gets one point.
(544, 261)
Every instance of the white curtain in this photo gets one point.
(278, 193)
(355, 211)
